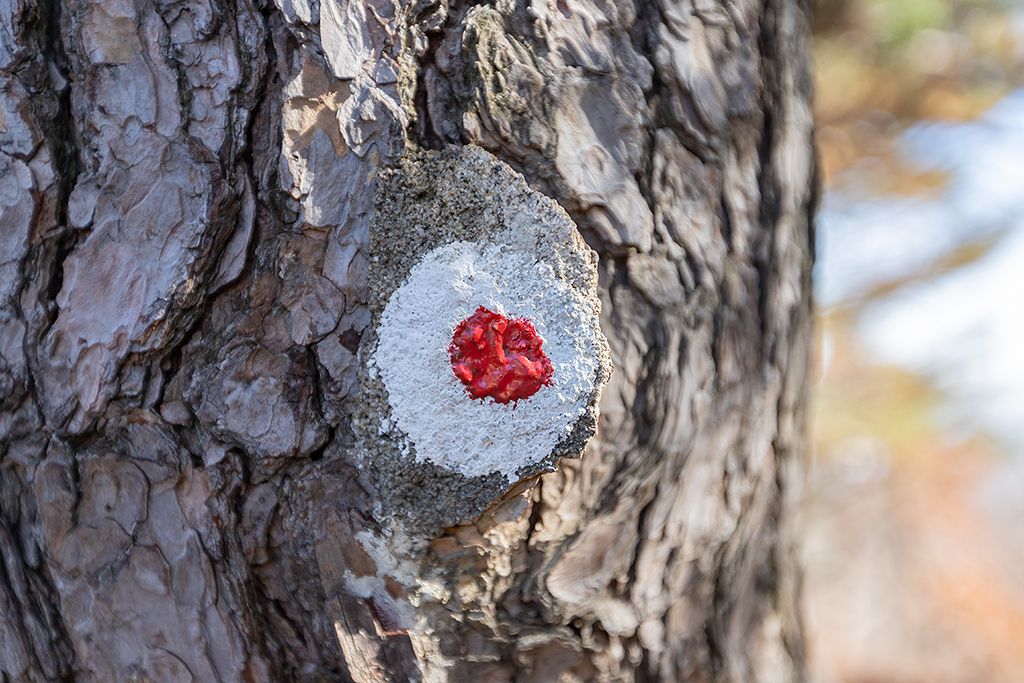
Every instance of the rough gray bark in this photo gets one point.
(186, 189)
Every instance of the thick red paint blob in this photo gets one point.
(498, 357)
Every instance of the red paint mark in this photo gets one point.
(498, 357)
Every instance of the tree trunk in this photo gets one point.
(186, 285)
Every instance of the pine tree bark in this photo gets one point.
(186, 190)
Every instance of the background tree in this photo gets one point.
(187, 190)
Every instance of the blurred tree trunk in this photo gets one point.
(185, 189)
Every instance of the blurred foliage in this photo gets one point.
(883, 64)
(895, 409)
(965, 254)
(909, 579)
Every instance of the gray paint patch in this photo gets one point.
(451, 231)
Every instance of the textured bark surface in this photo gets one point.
(186, 189)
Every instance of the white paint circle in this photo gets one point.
(431, 406)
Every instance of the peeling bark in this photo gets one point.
(186, 191)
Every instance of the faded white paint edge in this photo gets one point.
(432, 408)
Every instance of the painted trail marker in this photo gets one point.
(485, 360)
(499, 358)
